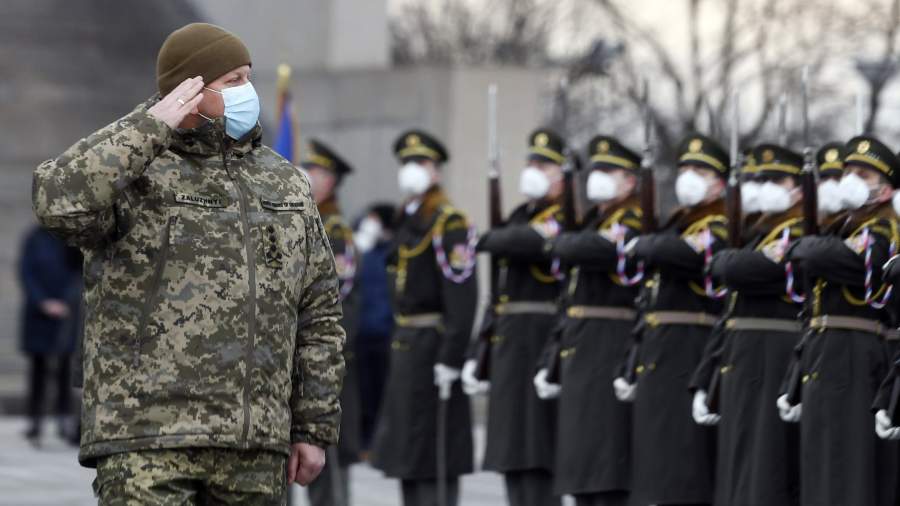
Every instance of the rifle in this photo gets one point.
(648, 222)
(809, 175)
(495, 218)
(733, 192)
(809, 182)
(647, 183)
(782, 120)
(735, 220)
(570, 223)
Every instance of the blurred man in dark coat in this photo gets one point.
(50, 273)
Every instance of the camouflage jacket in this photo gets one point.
(211, 296)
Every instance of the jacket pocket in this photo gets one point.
(151, 299)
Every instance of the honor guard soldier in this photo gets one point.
(521, 428)
(435, 297)
(844, 356)
(593, 461)
(757, 454)
(326, 172)
(673, 456)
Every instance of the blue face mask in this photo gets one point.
(241, 109)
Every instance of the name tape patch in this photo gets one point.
(199, 200)
(286, 205)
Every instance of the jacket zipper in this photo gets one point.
(251, 278)
(153, 298)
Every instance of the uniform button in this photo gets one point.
(272, 248)
(272, 237)
(278, 256)
(270, 229)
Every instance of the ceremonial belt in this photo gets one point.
(656, 318)
(605, 312)
(525, 307)
(774, 324)
(419, 321)
(853, 323)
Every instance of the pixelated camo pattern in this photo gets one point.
(210, 289)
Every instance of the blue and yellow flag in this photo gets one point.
(286, 139)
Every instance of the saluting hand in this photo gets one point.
(183, 100)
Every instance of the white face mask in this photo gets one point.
(895, 200)
(750, 196)
(854, 191)
(368, 234)
(413, 179)
(533, 183)
(830, 197)
(601, 187)
(690, 188)
(774, 198)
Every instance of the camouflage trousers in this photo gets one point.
(192, 476)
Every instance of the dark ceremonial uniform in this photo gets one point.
(332, 487)
(521, 427)
(757, 453)
(673, 458)
(435, 297)
(593, 461)
(844, 356)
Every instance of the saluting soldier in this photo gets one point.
(673, 456)
(326, 172)
(435, 297)
(757, 454)
(521, 427)
(844, 357)
(593, 461)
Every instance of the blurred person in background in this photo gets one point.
(50, 275)
(326, 171)
(376, 320)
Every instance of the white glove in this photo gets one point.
(787, 412)
(625, 391)
(545, 390)
(470, 384)
(629, 247)
(885, 428)
(700, 410)
(444, 376)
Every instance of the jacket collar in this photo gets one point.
(329, 207)
(684, 216)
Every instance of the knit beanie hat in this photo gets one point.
(198, 49)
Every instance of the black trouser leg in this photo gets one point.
(611, 498)
(63, 382)
(425, 492)
(372, 358)
(530, 488)
(37, 384)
